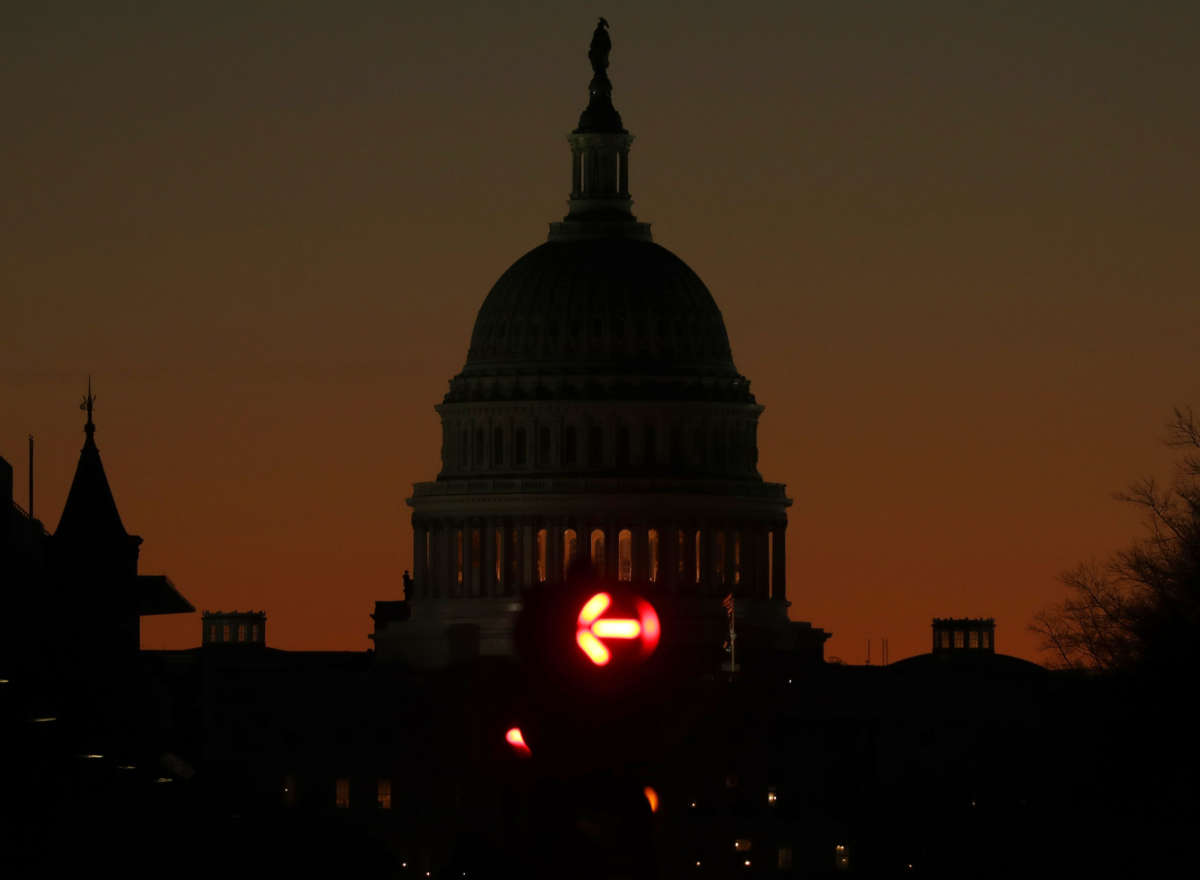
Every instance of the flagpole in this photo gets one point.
(730, 608)
(732, 642)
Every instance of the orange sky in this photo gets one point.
(955, 250)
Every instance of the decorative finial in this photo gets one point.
(88, 402)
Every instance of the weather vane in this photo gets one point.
(88, 402)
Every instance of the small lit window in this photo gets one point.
(598, 550)
(241, 632)
(570, 549)
(228, 633)
(625, 555)
(958, 638)
(652, 546)
(543, 555)
(973, 639)
(743, 844)
(342, 796)
(383, 794)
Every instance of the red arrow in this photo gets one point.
(592, 628)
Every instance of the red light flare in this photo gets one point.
(591, 628)
(651, 798)
(515, 739)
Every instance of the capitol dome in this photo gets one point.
(611, 305)
(598, 417)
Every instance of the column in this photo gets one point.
(449, 569)
(689, 585)
(487, 552)
(504, 557)
(640, 551)
(554, 551)
(668, 562)
(779, 563)
(528, 566)
(468, 568)
(611, 556)
(420, 571)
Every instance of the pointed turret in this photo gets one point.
(90, 515)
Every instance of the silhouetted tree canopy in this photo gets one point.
(1140, 610)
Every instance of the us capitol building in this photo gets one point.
(599, 416)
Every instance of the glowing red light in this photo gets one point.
(591, 628)
(595, 606)
(593, 647)
(651, 798)
(617, 629)
(517, 741)
(651, 628)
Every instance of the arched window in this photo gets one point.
(677, 446)
(543, 454)
(652, 543)
(570, 549)
(478, 448)
(649, 446)
(543, 552)
(597, 542)
(624, 555)
(622, 446)
(498, 445)
(519, 447)
(570, 444)
(595, 446)
(464, 450)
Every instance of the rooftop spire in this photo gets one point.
(90, 512)
(600, 205)
(88, 402)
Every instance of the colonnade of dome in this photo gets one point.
(499, 555)
(629, 437)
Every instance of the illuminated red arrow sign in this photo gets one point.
(592, 628)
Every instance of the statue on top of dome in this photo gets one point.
(600, 47)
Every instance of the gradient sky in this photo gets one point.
(956, 251)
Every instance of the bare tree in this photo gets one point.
(1141, 608)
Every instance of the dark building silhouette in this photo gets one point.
(964, 634)
(599, 417)
(234, 628)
